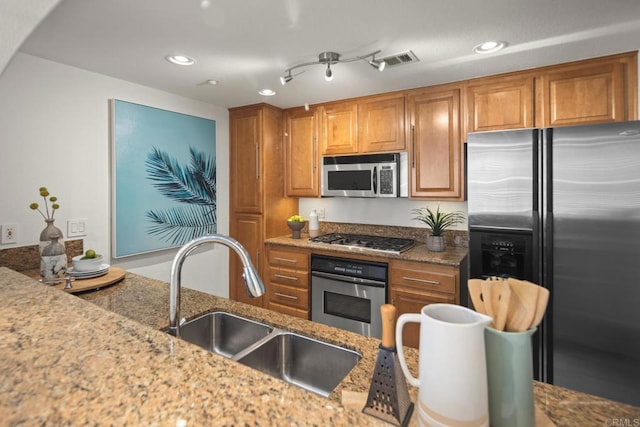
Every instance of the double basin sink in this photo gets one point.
(305, 362)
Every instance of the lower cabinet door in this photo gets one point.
(408, 301)
(246, 229)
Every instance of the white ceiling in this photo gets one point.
(247, 44)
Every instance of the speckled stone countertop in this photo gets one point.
(453, 255)
(99, 358)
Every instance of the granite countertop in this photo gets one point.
(99, 357)
(452, 256)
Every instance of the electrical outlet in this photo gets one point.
(77, 227)
(321, 213)
(9, 234)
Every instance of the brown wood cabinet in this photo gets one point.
(259, 208)
(500, 103)
(245, 132)
(301, 154)
(583, 92)
(287, 281)
(248, 230)
(412, 285)
(436, 146)
(588, 92)
(339, 128)
(381, 124)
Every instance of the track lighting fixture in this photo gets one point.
(331, 58)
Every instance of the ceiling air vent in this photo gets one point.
(400, 59)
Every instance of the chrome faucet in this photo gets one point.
(252, 280)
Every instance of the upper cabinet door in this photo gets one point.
(381, 124)
(301, 154)
(505, 103)
(340, 128)
(245, 134)
(436, 164)
(584, 94)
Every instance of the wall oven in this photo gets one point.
(370, 175)
(348, 293)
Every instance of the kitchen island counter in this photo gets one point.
(99, 358)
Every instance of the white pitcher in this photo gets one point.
(452, 370)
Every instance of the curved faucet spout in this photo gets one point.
(254, 284)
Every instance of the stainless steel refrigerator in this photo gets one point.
(561, 207)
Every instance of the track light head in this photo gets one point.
(286, 79)
(328, 75)
(378, 65)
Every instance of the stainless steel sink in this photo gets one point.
(308, 363)
(313, 365)
(223, 333)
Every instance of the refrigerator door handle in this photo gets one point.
(536, 171)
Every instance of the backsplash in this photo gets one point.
(457, 238)
(28, 257)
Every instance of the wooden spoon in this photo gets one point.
(541, 306)
(522, 309)
(501, 298)
(475, 292)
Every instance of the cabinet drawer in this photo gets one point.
(288, 277)
(288, 258)
(287, 295)
(303, 314)
(424, 276)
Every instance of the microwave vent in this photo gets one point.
(400, 59)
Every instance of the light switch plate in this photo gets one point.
(77, 227)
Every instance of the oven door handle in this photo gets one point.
(349, 279)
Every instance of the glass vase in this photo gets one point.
(53, 254)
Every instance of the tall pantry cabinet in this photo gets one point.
(259, 208)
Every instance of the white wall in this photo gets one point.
(54, 132)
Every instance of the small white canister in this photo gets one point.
(314, 224)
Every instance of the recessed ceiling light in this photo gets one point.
(267, 92)
(180, 60)
(489, 47)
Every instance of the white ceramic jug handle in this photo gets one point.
(402, 320)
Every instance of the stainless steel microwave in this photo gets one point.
(369, 175)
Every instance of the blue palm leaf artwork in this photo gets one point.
(163, 178)
(192, 185)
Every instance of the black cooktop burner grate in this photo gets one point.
(376, 243)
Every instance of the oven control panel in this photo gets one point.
(350, 267)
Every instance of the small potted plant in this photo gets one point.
(438, 222)
(296, 224)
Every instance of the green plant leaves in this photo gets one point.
(438, 222)
(193, 185)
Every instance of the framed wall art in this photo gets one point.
(163, 178)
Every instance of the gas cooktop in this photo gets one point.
(375, 243)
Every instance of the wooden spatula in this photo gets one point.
(541, 306)
(522, 309)
(475, 292)
(487, 298)
(501, 298)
